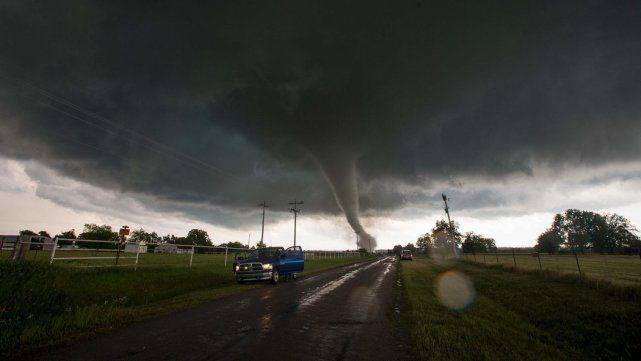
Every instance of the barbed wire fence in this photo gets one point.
(612, 267)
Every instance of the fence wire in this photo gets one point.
(611, 267)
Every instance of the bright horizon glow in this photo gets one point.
(25, 206)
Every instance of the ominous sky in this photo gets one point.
(365, 110)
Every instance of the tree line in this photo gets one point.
(197, 237)
(572, 231)
(581, 231)
(445, 236)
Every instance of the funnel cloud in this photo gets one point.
(341, 176)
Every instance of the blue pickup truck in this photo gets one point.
(270, 263)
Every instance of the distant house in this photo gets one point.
(166, 248)
(35, 242)
(135, 248)
(7, 242)
(172, 248)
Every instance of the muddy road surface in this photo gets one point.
(346, 313)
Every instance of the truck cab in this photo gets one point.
(271, 263)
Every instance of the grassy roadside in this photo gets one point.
(521, 315)
(41, 304)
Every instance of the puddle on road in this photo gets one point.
(265, 324)
(364, 303)
(321, 291)
(242, 304)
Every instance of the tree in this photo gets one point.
(234, 244)
(424, 243)
(475, 243)
(198, 237)
(620, 233)
(443, 235)
(583, 229)
(411, 247)
(549, 241)
(44, 234)
(140, 235)
(170, 238)
(26, 232)
(397, 249)
(71, 234)
(98, 233)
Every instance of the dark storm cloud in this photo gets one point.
(317, 100)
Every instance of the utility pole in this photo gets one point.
(249, 238)
(449, 222)
(262, 228)
(447, 210)
(295, 210)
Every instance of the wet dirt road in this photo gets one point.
(341, 314)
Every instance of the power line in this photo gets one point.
(149, 143)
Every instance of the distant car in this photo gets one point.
(406, 254)
(271, 264)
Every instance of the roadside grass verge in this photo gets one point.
(42, 305)
(520, 315)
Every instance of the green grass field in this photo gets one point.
(613, 268)
(42, 304)
(517, 314)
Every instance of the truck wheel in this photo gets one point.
(275, 276)
(294, 276)
(240, 282)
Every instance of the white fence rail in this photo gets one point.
(63, 249)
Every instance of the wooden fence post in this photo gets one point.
(53, 249)
(538, 255)
(137, 254)
(577, 264)
(117, 251)
(19, 249)
(514, 257)
(496, 253)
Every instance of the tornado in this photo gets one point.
(341, 175)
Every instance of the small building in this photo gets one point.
(35, 242)
(136, 248)
(8, 242)
(172, 248)
(166, 248)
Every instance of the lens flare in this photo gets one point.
(454, 290)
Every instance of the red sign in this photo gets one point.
(124, 231)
